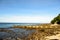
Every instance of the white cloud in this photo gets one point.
(26, 19)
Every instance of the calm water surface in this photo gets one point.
(18, 32)
(7, 25)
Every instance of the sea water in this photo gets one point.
(7, 25)
(18, 32)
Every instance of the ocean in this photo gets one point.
(15, 32)
(8, 25)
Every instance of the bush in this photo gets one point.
(56, 19)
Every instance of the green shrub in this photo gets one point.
(56, 19)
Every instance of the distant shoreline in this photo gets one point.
(8, 25)
(39, 26)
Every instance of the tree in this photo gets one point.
(56, 20)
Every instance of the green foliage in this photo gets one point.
(56, 19)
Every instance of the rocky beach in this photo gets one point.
(37, 32)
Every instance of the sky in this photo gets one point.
(29, 11)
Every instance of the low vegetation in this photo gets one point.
(56, 20)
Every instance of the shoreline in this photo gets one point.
(19, 32)
(39, 26)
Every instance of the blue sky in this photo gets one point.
(29, 11)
